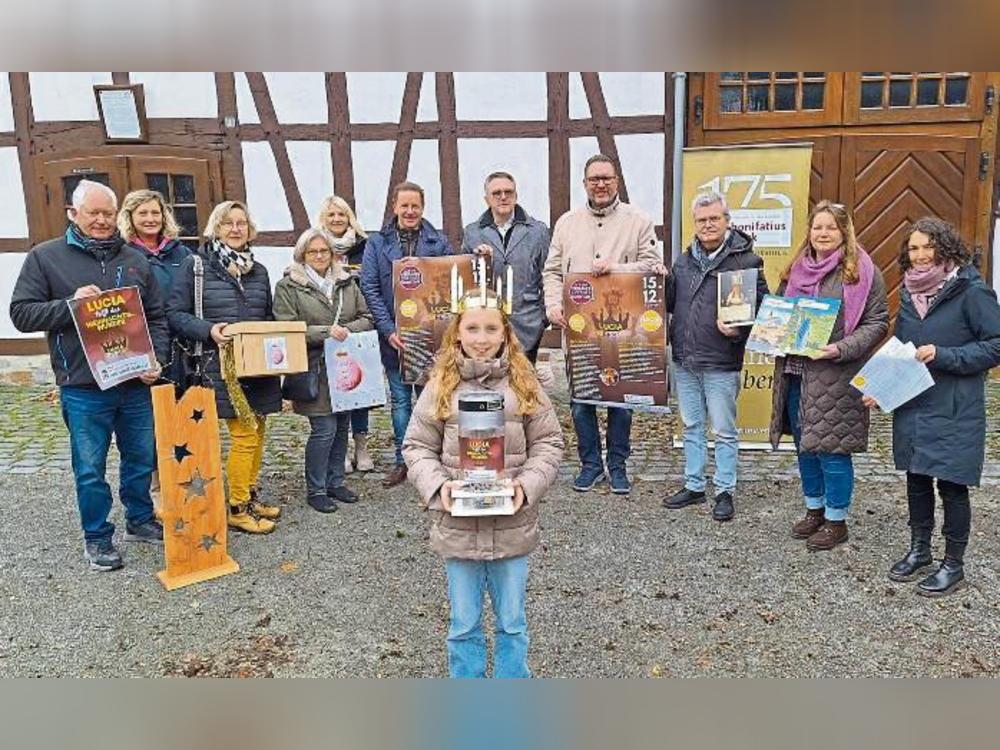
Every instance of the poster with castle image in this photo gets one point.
(616, 352)
(793, 325)
(114, 336)
(422, 289)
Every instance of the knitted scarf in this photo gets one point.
(100, 249)
(925, 283)
(808, 273)
(237, 262)
(323, 283)
(345, 242)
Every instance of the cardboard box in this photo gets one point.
(269, 347)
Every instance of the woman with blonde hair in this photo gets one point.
(480, 352)
(813, 398)
(236, 288)
(349, 239)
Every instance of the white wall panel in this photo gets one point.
(579, 109)
(6, 107)
(65, 96)
(13, 216)
(376, 97)
(525, 158)
(275, 260)
(580, 149)
(298, 97)
(501, 96)
(633, 93)
(265, 194)
(313, 169)
(427, 109)
(10, 267)
(372, 164)
(178, 94)
(246, 110)
(641, 157)
(425, 171)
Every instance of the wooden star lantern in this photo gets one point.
(193, 502)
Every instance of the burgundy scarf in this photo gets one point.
(923, 285)
(808, 273)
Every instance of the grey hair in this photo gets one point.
(302, 243)
(497, 176)
(85, 186)
(710, 198)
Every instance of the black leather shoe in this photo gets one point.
(683, 499)
(342, 494)
(944, 580)
(917, 560)
(723, 509)
(322, 503)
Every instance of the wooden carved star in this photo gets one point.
(198, 414)
(181, 452)
(195, 486)
(208, 541)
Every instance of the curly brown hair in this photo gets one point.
(948, 246)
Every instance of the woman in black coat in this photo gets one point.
(236, 288)
(953, 319)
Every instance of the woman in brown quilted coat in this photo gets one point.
(481, 353)
(813, 399)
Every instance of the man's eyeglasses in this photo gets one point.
(706, 220)
(599, 179)
(502, 194)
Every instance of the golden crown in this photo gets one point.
(501, 298)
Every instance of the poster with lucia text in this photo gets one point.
(767, 190)
(616, 340)
(114, 336)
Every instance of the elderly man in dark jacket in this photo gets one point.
(514, 240)
(89, 258)
(708, 354)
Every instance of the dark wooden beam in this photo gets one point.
(668, 163)
(120, 79)
(233, 183)
(24, 121)
(602, 125)
(23, 347)
(8, 139)
(269, 120)
(558, 120)
(340, 135)
(404, 136)
(451, 203)
(14, 244)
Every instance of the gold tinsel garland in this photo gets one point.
(244, 412)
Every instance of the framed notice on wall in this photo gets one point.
(616, 352)
(123, 113)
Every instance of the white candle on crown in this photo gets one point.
(454, 285)
(499, 291)
(510, 289)
(482, 279)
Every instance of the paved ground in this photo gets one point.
(620, 587)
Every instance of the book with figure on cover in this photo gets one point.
(737, 304)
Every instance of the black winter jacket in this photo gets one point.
(52, 273)
(225, 301)
(692, 298)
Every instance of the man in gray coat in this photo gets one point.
(514, 240)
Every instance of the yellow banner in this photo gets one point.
(767, 189)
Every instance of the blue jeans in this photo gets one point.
(401, 402)
(711, 394)
(506, 580)
(326, 449)
(827, 478)
(588, 436)
(92, 416)
(359, 422)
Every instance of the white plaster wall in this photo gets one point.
(275, 260)
(633, 93)
(579, 108)
(427, 109)
(246, 110)
(501, 96)
(65, 96)
(10, 267)
(298, 97)
(376, 97)
(641, 157)
(525, 158)
(372, 164)
(265, 194)
(6, 108)
(178, 94)
(312, 166)
(13, 216)
(580, 149)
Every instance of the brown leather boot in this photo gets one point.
(806, 527)
(830, 534)
(394, 477)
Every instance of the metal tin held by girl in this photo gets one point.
(483, 488)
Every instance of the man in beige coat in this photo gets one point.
(604, 236)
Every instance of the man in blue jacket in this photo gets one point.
(707, 354)
(514, 240)
(89, 258)
(406, 234)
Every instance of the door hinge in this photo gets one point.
(48, 200)
(990, 98)
(984, 165)
(699, 106)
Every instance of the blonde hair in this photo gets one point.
(335, 201)
(136, 198)
(219, 214)
(445, 375)
(849, 263)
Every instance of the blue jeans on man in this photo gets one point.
(506, 580)
(401, 397)
(326, 448)
(827, 478)
(711, 395)
(588, 437)
(92, 416)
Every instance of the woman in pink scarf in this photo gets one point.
(953, 319)
(813, 399)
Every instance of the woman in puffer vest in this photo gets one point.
(481, 353)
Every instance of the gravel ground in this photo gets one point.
(620, 588)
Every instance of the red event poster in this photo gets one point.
(113, 332)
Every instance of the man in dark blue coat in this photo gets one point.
(406, 234)
(88, 259)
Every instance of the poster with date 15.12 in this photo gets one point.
(114, 336)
